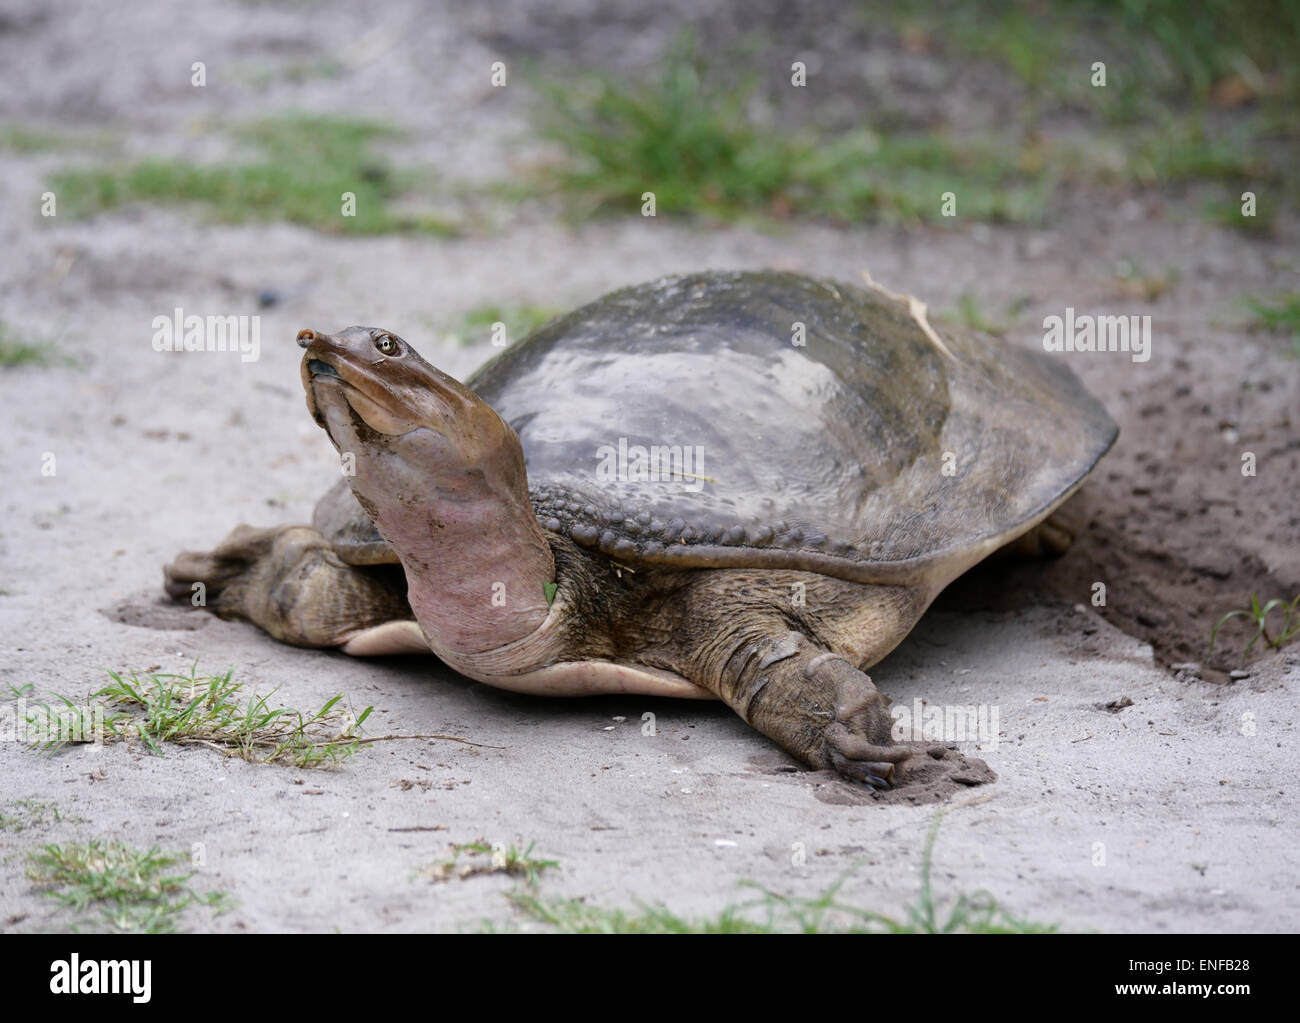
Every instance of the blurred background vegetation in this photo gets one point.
(1195, 94)
(992, 101)
(1201, 102)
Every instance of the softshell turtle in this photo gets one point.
(742, 486)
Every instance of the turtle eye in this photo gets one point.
(386, 344)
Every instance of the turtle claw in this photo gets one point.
(862, 761)
(877, 775)
(190, 568)
(218, 568)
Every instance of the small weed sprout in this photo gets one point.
(1259, 615)
(31, 813)
(1279, 317)
(508, 860)
(16, 350)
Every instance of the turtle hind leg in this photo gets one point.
(1049, 539)
(290, 583)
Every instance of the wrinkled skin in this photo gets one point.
(443, 480)
(506, 593)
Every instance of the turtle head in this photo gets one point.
(442, 477)
(412, 430)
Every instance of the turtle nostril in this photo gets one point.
(305, 337)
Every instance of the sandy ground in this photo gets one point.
(1166, 815)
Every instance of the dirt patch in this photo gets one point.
(1169, 524)
(162, 615)
(933, 776)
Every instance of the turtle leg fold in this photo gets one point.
(289, 582)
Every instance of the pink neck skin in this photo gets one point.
(476, 566)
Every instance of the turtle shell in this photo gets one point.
(771, 420)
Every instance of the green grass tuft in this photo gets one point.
(32, 140)
(1182, 151)
(478, 323)
(127, 890)
(1198, 53)
(970, 313)
(689, 137)
(771, 913)
(18, 353)
(1280, 316)
(305, 164)
(214, 711)
(1156, 54)
(20, 138)
(261, 74)
(573, 916)
(15, 352)
(1213, 98)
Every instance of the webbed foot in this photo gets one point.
(291, 583)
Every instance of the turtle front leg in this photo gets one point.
(815, 705)
(791, 671)
(289, 582)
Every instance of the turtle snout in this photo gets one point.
(309, 339)
(320, 347)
